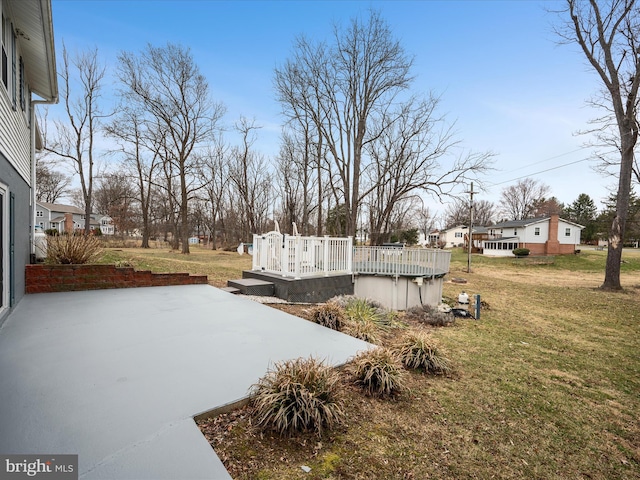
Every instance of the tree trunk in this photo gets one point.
(618, 225)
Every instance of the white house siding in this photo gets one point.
(573, 239)
(15, 136)
(449, 239)
(528, 234)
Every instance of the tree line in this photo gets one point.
(359, 147)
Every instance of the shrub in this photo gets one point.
(52, 232)
(379, 372)
(431, 316)
(298, 395)
(329, 315)
(72, 249)
(367, 331)
(521, 252)
(416, 351)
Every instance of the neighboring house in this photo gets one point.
(478, 236)
(67, 218)
(27, 67)
(542, 236)
(453, 237)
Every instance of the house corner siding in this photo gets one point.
(17, 186)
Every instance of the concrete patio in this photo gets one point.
(116, 376)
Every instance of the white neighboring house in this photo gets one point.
(453, 237)
(27, 77)
(67, 218)
(542, 236)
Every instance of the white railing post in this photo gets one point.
(284, 256)
(297, 255)
(325, 255)
(255, 261)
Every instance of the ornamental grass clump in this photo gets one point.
(298, 395)
(367, 331)
(431, 316)
(329, 315)
(364, 310)
(72, 249)
(379, 372)
(417, 351)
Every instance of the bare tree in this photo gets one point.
(300, 181)
(114, 196)
(548, 206)
(251, 179)
(345, 86)
(50, 184)
(166, 84)
(457, 213)
(608, 34)
(214, 172)
(74, 138)
(519, 201)
(301, 99)
(425, 220)
(140, 158)
(407, 158)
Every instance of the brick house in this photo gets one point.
(550, 235)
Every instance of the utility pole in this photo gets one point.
(470, 235)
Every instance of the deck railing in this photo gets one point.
(298, 257)
(394, 261)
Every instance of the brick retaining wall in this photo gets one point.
(70, 278)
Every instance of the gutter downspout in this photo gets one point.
(32, 121)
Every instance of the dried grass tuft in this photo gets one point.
(379, 372)
(72, 249)
(298, 395)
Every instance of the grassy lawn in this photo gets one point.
(546, 385)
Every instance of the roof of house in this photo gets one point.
(58, 207)
(462, 227)
(33, 23)
(525, 222)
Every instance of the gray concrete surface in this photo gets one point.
(116, 376)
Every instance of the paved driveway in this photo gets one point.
(116, 376)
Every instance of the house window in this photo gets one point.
(537, 231)
(39, 213)
(515, 231)
(458, 234)
(4, 39)
(567, 232)
(3, 42)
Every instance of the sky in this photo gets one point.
(503, 79)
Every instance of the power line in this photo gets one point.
(548, 169)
